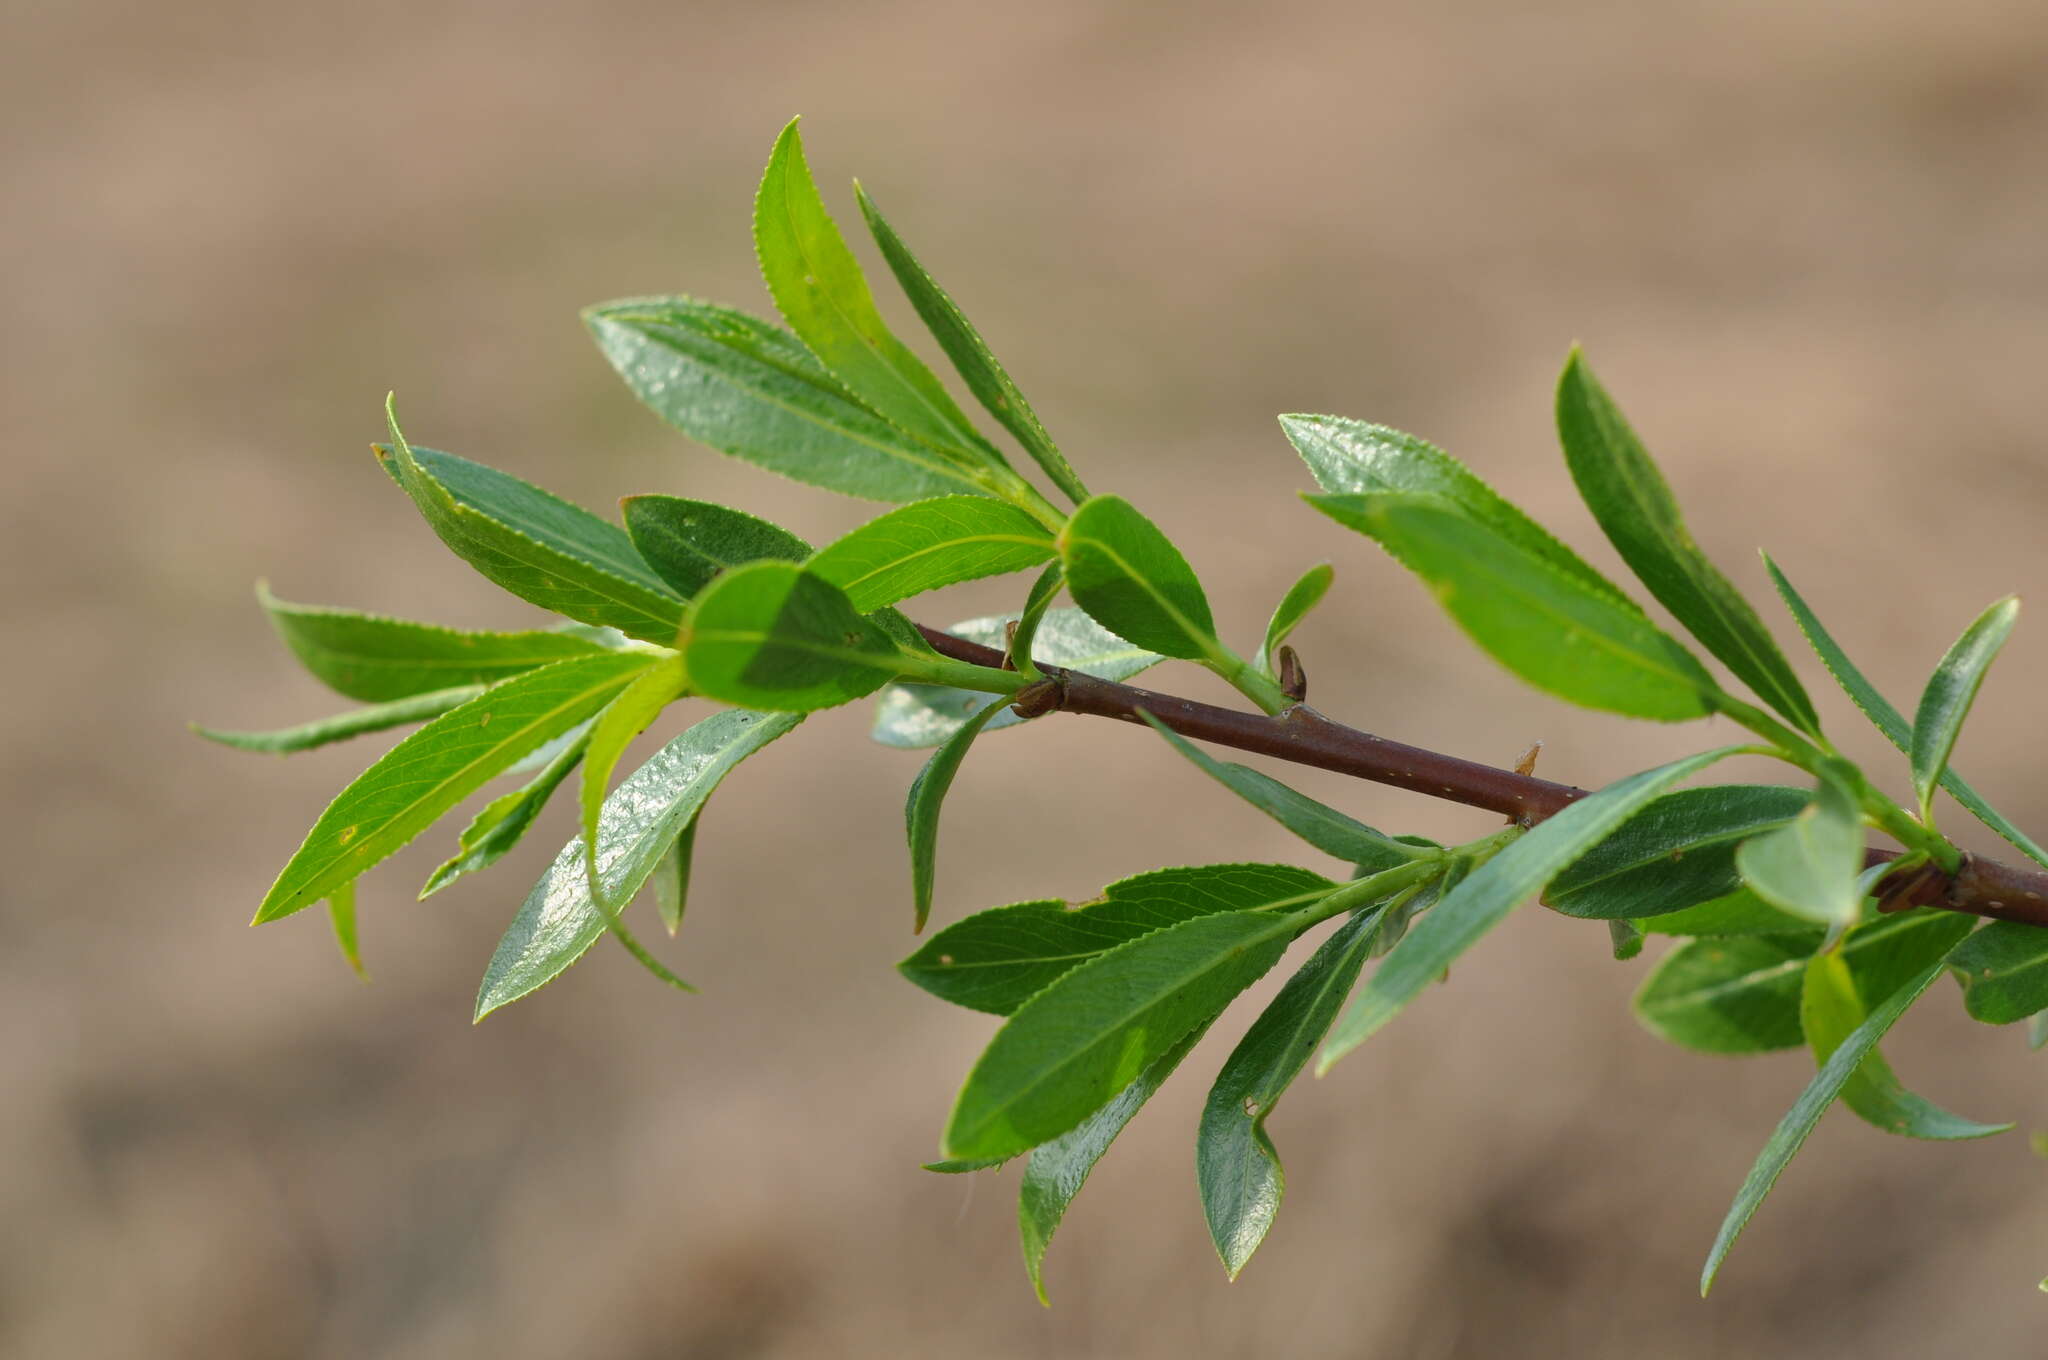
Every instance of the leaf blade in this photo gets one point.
(971, 356)
(377, 659)
(1305, 594)
(928, 544)
(921, 809)
(820, 290)
(438, 766)
(1809, 866)
(689, 543)
(772, 635)
(751, 390)
(354, 723)
(1132, 580)
(559, 920)
(1539, 622)
(1950, 692)
(1634, 506)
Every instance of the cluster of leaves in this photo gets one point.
(1769, 888)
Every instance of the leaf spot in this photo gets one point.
(946, 959)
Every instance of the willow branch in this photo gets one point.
(1981, 887)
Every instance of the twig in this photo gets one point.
(1982, 887)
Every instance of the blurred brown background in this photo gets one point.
(1803, 244)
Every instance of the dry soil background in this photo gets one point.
(1803, 243)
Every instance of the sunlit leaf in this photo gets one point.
(1132, 580)
(930, 544)
(1950, 691)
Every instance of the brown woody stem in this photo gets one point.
(1981, 887)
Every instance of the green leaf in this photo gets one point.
(1350, 457)
(930, 544)
(748, 388)
(1236, 1165)
(819, 289)
(376, 659)
(342, 726)
(1888, 719)
(504, 821)
(438, 766)
(1885, 954)
(672, 875)
(2037, 1031)
(1741, 912)
(910, 716)
(1950, 691)
(1799, 1121)
(1831, 1010)
(921, 811)
(1484, 899)
(1058, 1169)
(1678, 852)
(688, 543)
(1327, 829)
(1542, 623)
(623, 719)
(538, 546)
(1629, 497)
(1736, 995)
(1304, 595)
(2004, 972)
(1809, 866)
(772, 635)
(341, 914)
(996, 960)
(1131, 579)
(1071, 1048)
(985, 377)
(559, 921)
(1037, 600)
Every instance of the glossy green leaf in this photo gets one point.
(1071, 1048)
(1885, 954)
(1830, 1010)
(1353, 457)
(985, 377)
(505, 820)
(688, 543)
(623, 719)
(772, 635)
(1542, 623)
(748, 388)
(341, 914)
(672, 875)
(912, 716)
(1799, 1121)
(1237, 1168)
(1132, 580)
(342, 726)
(929, 544)
(641, 820)
(921, 810)
(438, 766)
(1634, 506)
(1327, 829)
(1741, 912)
(1058, 1169)
(1733, 995)
(1950, 692)
(541, 548)
(996, 960)
(1484, 899)
(1044, 590)
(1304, 595)
(377, 659)
(1809, 866)
(2004, 972)
(819, 289)
(1676, 853)
(1888, 719)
